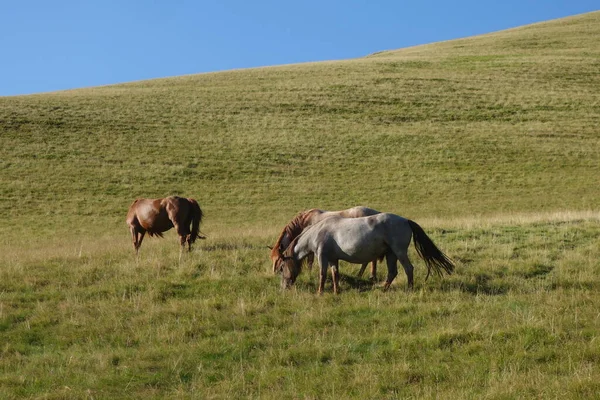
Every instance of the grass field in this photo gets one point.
(490, 143)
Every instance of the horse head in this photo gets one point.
(288, 266)
(287, 235)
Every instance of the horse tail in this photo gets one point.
(197, 216)
(433, 257)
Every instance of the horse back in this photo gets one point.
(381, 227)
(150, 215)
(357, 212)
(135, 208)
(356, 240)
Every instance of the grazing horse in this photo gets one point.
(156, 216)
(360, 240)
(311, 217)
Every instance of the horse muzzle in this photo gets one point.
(286, 283)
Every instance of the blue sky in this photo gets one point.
(56, 45)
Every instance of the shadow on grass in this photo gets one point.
(482, 285)
(356, 283)
(347, 282)
(232, 246)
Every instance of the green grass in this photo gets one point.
(518, 319)
(490, 143)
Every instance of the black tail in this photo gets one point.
(434, 257)
(197, 215)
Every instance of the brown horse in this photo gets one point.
(310, 217)
(156, 216)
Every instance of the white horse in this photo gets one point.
(308, 218)
(358, 241)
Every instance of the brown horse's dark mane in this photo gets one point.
(293, 229)
(289, 251)
(288, 255)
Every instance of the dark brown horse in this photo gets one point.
(310, 217)
(156, 216)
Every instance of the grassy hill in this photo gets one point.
(491, 143)
(500, 123)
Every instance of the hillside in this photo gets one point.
(501, 123)
(491, 143)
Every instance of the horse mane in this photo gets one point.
(289, 251)
(293, 229)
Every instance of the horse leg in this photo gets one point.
(374, 270)
(188, 239)
(408, 268)
(335, 276)
(391, 259)
(183, 234)
(323, 263)
(182, 228)
(310, 259)
(134, 238)
(139, 240)
(137, 236)
(362, 269)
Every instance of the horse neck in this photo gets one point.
(294, 228)
(302, 245)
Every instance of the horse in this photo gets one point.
(156, 216)
(360, 240)
(310, 217)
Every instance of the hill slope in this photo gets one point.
(499, 123)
